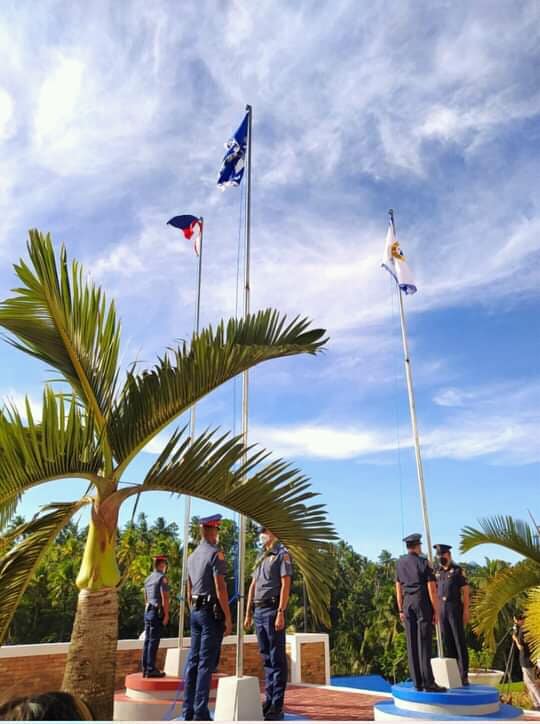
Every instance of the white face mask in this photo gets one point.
(264, 539)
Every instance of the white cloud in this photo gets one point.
(479, 430)
(7, 124)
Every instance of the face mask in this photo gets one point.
(264, 539)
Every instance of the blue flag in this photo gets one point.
(232, 168)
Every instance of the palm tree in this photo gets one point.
(94, 427)
(519, 583)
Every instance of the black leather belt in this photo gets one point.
(200, 601)
(267, 603)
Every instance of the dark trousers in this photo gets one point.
(453, 632)
(419, 630)
(272, 648)
(152, 636)
(202, 662)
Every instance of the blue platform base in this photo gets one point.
(467, 702)
(388, 710)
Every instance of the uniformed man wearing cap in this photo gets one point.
(156, 615)
(453, 593)
(416, 594)
(210, 618)
(268, 597)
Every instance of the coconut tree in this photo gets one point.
(93, 426)
(519, 583)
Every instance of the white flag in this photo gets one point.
(394, 262)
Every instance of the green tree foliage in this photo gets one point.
(366, 636)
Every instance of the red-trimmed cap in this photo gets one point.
(211, 521)
(162, 558)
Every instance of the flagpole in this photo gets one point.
(245, 420)
(416, 437)
(187, 498)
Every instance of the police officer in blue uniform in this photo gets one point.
(416, 594)
(156, 615)
(210, 618)
(268, 597)
(453, 593)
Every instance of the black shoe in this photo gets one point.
(155, 674)
(465, 682)
(435, 689)
(274, 714)
(419, 688)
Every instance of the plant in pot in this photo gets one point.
(480, 669)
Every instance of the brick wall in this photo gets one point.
(26, 675)
(312, 663)
(28, 670)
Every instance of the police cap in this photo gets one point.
(442, 548)
(413, 539)
(161, 558)
(261, 529)
(211, 521)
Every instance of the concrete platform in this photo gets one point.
(466, 702)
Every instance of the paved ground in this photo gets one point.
(315, 703)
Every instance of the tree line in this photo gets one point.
(366, 636)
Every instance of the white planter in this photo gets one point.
(488, 677)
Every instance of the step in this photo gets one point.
(166, 687)
(464, 701)
(388, 710)
(128, 709)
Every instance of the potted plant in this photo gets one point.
(480, 671)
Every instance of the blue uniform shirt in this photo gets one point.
(270, 568)
(204, 563)
(414, 572)
(153, 586)
(450, 582)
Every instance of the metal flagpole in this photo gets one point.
(245, 420)
(187, 503)
(416, 438)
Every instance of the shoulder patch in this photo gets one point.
(221, 555)
(286, 557)
(165, 579)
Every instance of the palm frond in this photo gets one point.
(276, 495)
(532, 622)
(503, 530)
(63, 320)
(505, 586)
(18, 564)
(152, 399)
(61, 445)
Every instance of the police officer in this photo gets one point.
(210, 618)
(453, 594)
(416, 595)
(269, 596)
(156, 615)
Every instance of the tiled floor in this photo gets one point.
(321, 703)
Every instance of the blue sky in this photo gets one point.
(113, 119)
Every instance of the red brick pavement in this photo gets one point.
(319, 703)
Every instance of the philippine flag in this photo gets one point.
(191, 226)
(394, 262)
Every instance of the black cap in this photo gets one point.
(261, 529)
(413, 539)
(442, 548)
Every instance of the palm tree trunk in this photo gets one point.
(91, 662)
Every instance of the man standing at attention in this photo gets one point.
(156, 615)
(268, 596)
(210, 618)
(453, 592)
(416, 594)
